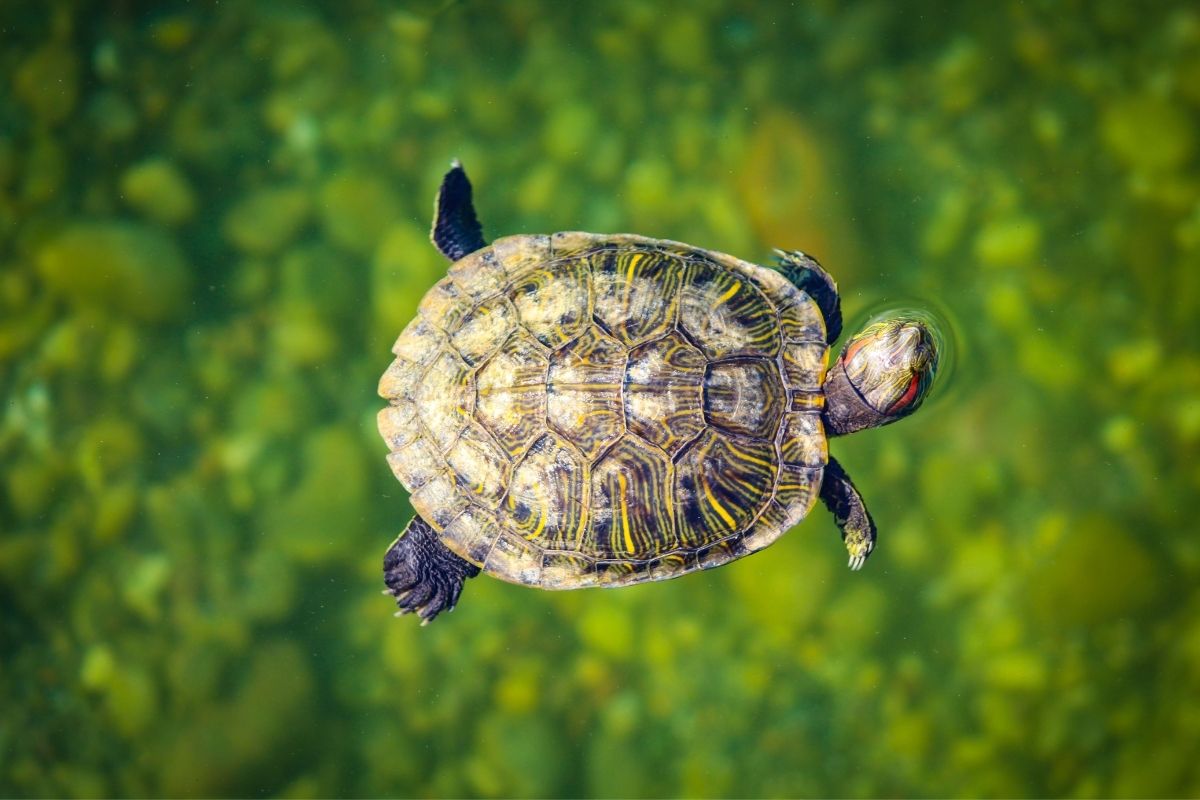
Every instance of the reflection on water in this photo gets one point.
(213, 225)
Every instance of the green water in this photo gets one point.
(213, 226)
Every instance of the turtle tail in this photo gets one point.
(422, 574)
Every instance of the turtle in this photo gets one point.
(578, 409)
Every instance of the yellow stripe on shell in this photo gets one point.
(624, 488)
(718, 507)
(723, 299)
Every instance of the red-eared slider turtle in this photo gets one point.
(601, 410)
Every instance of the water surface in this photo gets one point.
(213, 225)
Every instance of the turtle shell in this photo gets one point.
(578, 409)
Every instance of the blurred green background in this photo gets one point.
(213, 223)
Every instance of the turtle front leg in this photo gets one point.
(850, 512)
(809, 276)
(422, 574)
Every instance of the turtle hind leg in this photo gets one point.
(456, 229)
(422, 574)
(809, 276)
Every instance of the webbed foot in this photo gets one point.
(422, 574)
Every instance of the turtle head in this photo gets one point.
(884, 373)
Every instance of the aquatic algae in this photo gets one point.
(108, 448)
(131, 699)
(98, 668)
(569, 131)
(265, 220)
(115, 510)
(1147, 132)
(1020, 671)
(144, 584)
(44, 170)
(947, 223)
(322, 509)
(159, 190)
(323, 278)
(47, 81)
(270, 586)
(1098, 573)
(784, 602)
(647, 190)
(30, 485)
(684, 45)
(236, 739)
(608, 631)
(126, 266)
(1009, 242)
(300, 337)
(111, 116)
(120, 352)
(356, 209)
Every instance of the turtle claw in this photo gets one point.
(858, 559)
(859, 550)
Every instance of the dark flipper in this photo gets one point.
(456, 230)
(848, 509)
(422, 574)
(808, 275)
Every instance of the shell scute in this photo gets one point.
(419, 342)
(416, 463)
(518, 254)
(745, 397)
(445, 398)
(444, 306)
(511, 389)
(636, 292)
(438, 501)
(545, 500)
(553, 302)
(631, 504)
(480, 467)
(663, 392)
(471, 534)
(569, 243)
(804, 365)
(726, 315)
(804, 443)
(796, 492)
(584, 391)
(721, 483)
(478, 275)
(514, 559)
(567, 570)
(484, 329)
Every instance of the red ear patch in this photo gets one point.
(906, 399)
(853, 349)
